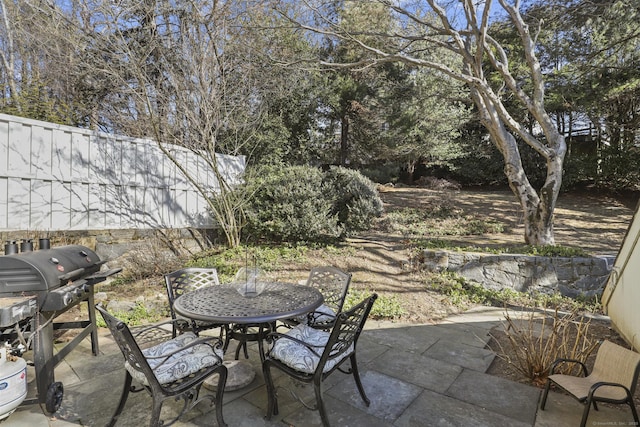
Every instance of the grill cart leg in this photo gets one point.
(93, 322)
(42, 356)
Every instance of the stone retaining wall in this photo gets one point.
(571, 277)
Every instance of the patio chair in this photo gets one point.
(333, 284)
(175, 369)
(186, 280)
(613, 379)
(310, 355)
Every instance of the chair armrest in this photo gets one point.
(594, 387)
(274, 336)
(585, 371)
(312, 320)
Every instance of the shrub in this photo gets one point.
(548, 251)
(303, 204)
(383, 174)
(354, 198)
(288, 204)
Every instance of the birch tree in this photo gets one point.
(464, 28)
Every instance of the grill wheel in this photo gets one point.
(54, 397)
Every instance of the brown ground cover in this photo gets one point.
(594, 222)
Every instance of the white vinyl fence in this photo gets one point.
(55, 177)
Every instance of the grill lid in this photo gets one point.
(46, 269)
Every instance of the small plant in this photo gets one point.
(385, 307)
(461, 292)
(548, 251)
(138, 316)
(535, 341)
(437, 220)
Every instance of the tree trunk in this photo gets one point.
(344, 139)
(537, 207)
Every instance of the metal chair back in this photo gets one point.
(332, 283)
(186, 280)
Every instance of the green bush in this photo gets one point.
(354, 198)
(303, 204)
(288, 205)
(383, 174)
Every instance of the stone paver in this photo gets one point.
(508, 398)
(414, 375)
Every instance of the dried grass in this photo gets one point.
(537, 338)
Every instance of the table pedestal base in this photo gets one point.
(239, 374)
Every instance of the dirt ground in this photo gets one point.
(381, 262)
(594, 222)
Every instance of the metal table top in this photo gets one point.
(224, 304)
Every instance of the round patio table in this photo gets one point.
(225, 304)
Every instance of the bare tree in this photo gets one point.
(8, 54)
(463, 27)
(180, 73)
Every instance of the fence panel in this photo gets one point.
(55, 177)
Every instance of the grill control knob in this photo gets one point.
(67, 298)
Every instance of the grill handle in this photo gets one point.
(101, 276)
(72, 274)
(79, 272)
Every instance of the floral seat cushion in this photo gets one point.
(180, 364)
(301, 358)
(322, 314)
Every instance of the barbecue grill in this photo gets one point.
(35, 288)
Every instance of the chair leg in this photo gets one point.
(633, 411)
(155, 412)
(317, 387)
(585, 413)
(543, 402)
(123, 399)
(222, 381)
(224, 331)
(356, 376)
(272, 399)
